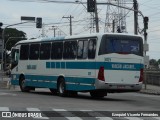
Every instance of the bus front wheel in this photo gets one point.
(61, 88)
(22, 84)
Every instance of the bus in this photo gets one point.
(97, 63)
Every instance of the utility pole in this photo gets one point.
(145, 21)
(43, 30)
(113, 26)
(96, 17)
(70, 19)
(135, 5)
(54, 29)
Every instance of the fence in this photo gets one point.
(153, 77)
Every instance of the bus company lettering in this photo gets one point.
(123, 66)
(117, 66)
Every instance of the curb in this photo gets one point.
(150, 92)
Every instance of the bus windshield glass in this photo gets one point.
(121, 44)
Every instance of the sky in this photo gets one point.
(52, 14)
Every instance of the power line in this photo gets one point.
(45, 1)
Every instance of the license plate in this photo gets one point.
(120, 86)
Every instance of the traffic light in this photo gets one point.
(91, 5)
(39, 22)
(146, 19)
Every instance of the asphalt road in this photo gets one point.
(43, 100)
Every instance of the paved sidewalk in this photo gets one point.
(151, 89)
(4, 80)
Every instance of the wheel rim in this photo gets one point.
(61, 88)
(23, 84)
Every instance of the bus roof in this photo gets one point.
(73, 36)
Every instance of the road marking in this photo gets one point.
(11, 94)
(61, 111)
(86, 110)
(99, 114)
(34, 110)
(158, 118)
(4, 109)
(133, 118)
(104, 118)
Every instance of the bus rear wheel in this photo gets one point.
(22, 84)
(61, 88)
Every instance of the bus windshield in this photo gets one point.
(121, 44)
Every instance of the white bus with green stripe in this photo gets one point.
(95, 63)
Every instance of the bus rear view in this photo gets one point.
(120, 63)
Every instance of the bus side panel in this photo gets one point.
(81, 84)
(80, 75)
(14, 79)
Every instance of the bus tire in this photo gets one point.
(98, 94)
(61, 87)
(22, 84)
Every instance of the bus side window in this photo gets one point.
(70, 48)
(74, 49)
(24, 52)
(82, 51)
(15, 57)
(92, 48)
(66, 51)
(57, 50)
(34, 52)
(45, 51)
(85, 49)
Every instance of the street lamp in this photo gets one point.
(77, 1)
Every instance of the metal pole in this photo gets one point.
(70, 19)
(113, 26)
(96, 18)
(145, 66)
(54, 31)
(43, 30)
(70, 25)
(135, 17)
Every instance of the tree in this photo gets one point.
(154, 63)
(13, 32)
(158, 61)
